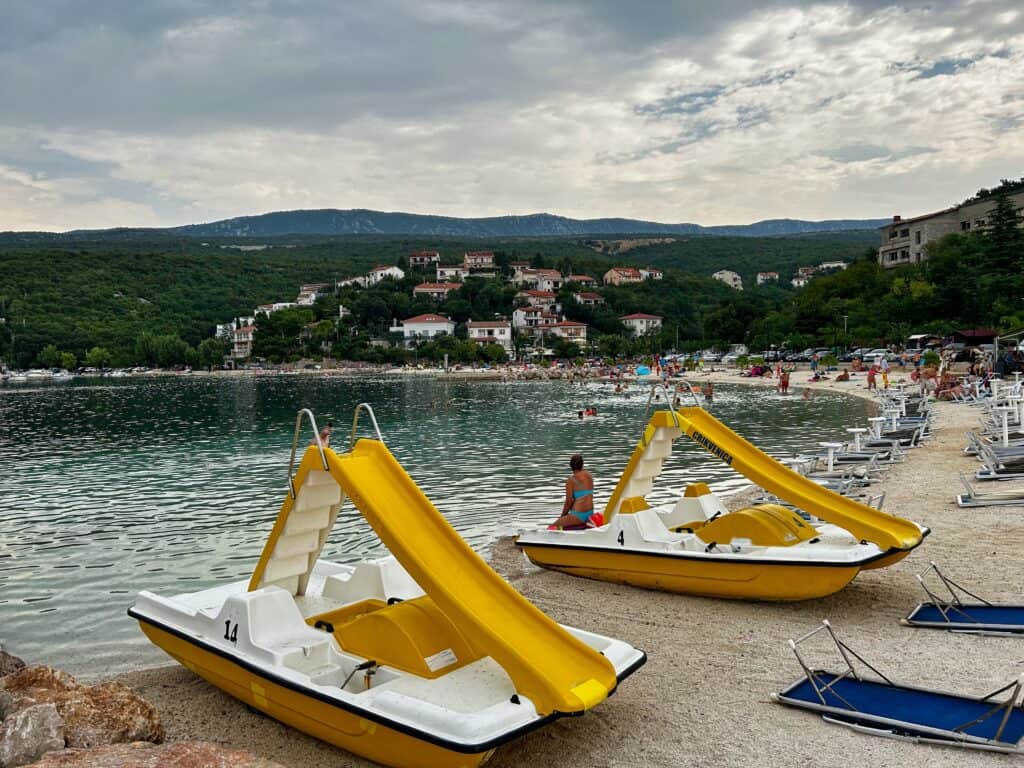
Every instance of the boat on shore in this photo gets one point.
(426, 657)
(694, 545)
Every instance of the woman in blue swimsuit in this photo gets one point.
(579, 496)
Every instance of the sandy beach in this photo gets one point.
(703, 697)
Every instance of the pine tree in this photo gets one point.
(1004, 240)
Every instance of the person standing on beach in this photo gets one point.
(871, 378)
(883, 365)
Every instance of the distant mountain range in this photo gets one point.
(331, 221)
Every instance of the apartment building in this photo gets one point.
(730, 278)
(483, 332)
(905, 241)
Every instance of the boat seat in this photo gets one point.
(276, 625)
(411, 635)
(767, 525)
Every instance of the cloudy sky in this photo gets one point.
(168, 112)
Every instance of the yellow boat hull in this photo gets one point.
(319, 719)
(777, 582)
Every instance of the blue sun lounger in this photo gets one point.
(980, 618)
(883, 708)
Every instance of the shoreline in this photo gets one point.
(714, 663)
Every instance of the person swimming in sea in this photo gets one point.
(579, 496)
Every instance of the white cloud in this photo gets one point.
(822, 111)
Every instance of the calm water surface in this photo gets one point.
(172, 485)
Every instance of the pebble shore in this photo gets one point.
(703, 697)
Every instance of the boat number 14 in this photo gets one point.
(231, 631)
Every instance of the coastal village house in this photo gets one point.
(478, 260)
(584, 281)
(640, 323)
(424, 258)
(241, 342)
(651, 273)
(730, 278)
(268, 309)
(589, 298)
(532, 317)
(483, 332)
(832, 266)
(905, 241)
(572, 331)
(423, 328)
(438, 291)
(622, 276)
(800, 281)
(545, 299)
(767, 277)
(539, 279)
(455, 272)
(380, 273)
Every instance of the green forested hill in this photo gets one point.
(110, 290)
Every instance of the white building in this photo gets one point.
(424, 258)
(767, 277)
(382, 272)
(532, 317)
(477, 260)
(538, 279)
(241, 342)
(570, 330)
(269, 309)
(832, 265)
(547, 299)
(584, 281)
(640, 323)
(438, 291)
(455, 272)
(730, 278)
(799, 281)
(588, 298)
(423, 328)
(651, 273)
(484, 332)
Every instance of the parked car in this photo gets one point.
(730, 359)
(875, 355)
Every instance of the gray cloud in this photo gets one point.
(172, 111)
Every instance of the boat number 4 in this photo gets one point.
(622, 538)
(231, 631)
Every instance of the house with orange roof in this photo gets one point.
(424, 328)
(436, 291)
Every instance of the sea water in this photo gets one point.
(172, 484)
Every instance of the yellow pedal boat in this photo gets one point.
(422, 659)
(694, 545)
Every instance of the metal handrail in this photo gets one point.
(355, 424)
(295, 446)
(689, 388)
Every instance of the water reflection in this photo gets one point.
(109, 488)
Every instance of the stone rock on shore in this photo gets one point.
(9, 663)
(194, 754)
(28, 733)
(89, 715)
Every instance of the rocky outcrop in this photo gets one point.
(195, 754)
(44, 709)
(28, 732)
(9, 663)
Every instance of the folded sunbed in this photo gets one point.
(881, 707)
(979, 617)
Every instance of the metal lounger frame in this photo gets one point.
(896, 728)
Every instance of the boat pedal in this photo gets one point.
(515, 698)
(326, 626)
(713, 545)
(815, 540)
(393, 600)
